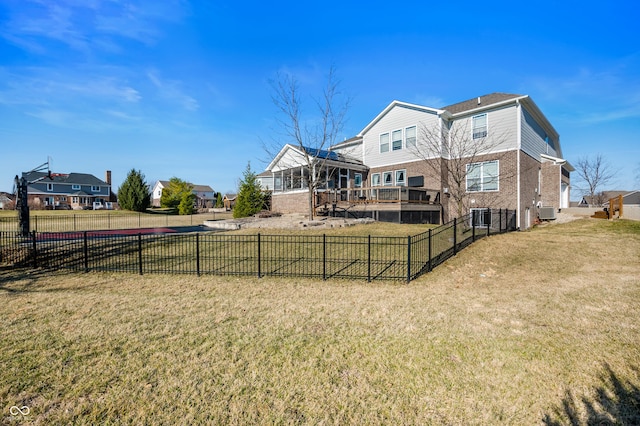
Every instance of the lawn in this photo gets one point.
(538, 327)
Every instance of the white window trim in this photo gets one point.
(388, 144)
(384, 183)
(403, 182)
(50, 187)
(415, 142)
(357, 184)
(75, 187)
(482, 163)
(379, 181)
(486, 131)
(401, 140)
(95, 188)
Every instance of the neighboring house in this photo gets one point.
(229, 201)
(205, 195)
(384, 171)
(6, 201)
(63, 191)
(601, 199)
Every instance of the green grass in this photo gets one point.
(538, 327)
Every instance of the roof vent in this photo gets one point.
(479, 100)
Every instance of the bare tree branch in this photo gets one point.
(593, 173)
(314, 136)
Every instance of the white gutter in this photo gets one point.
(519, 146)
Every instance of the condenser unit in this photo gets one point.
(547, 213)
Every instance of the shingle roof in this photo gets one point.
(486, 100)
(71, 178)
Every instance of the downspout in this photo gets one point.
(519, 148)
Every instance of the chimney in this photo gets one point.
(479, 100)
(108, 177)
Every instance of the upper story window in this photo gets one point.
(95, 188)
(397, 140)
(410, 136)
(75, 187)
(479, 126)
(375, 179)
(384, 142)
(49, 187)
(400, 177)
(482, 176)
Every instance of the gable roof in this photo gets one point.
(69, 179)
(326, 155)
(202, 188)
(394, 104)
(481, 102)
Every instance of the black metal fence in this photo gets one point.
(86, 222)
(316, 256)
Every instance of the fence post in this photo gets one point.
(455, 236)
(408, 259)
(489, 223)
(324, 257)
(86, 253)
(506, 220)
(198, 253)
(259, 256)
(430, 267)
(35, 228)
(140, 253)
(473, 225)
(500, 216)
(369, 258)
(35, 250)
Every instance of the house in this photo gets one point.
(409, 164)
(229, 201)
(602, 199)
(64, 191)
(205, 195)
(6, 201)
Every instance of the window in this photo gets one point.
(482, 176)
(396, 137)
(375, 179)
(384, 142)
(400, 177)
(63, 198)
(95, 188)
(481, 217)
(387, 178)
(357, 180)
(75, 187)
(410, 136)
(480, 126)
(74, 200)
(49, 187)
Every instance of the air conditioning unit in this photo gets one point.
(547, 213)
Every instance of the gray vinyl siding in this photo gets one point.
(398, 118)
(501, 129)
(66, 189)
(533, 138)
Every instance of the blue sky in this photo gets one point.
(181, 88)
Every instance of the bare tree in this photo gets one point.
(313, 135)
(450, 151)
(593, 173)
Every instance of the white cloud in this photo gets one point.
(87, 25)
(171, 91)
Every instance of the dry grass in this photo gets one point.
(524, 328)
